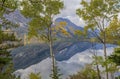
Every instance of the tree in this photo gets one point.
(42, 13)
(8, 72)
(112, 68)
(6, 7)
(113, 31)
(5, 56)
(86, 73)
(97, 60)
(34, 76)
(115, 57)
(56, 74)
(97, 15)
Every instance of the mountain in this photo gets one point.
(69, 24)
(17, 18)
(70, 27)
(35, 53)
(67, 67)
(32, 54)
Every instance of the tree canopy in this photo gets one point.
(98, 14)
(41, 13)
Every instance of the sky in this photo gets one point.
(70, 12)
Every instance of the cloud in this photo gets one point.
(70, 12)
(68, 67)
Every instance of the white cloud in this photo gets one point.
(68, 67)
(77, 20)
(70, 12)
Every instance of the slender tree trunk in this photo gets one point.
(97, 66)
(98, 72)
(96, 61)
(51, 51)
(106, 66)
(105, 53)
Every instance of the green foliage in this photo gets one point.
(7, 74)
(7, 37)
(90, 71)
(87, 73)
(33, 8)
(98, 14)
(34, 76)
(6, 24)
(7, 6)
(112, 67)
(117, 77)
(115, 57)
(41, 13)
(6, 68)
(5, 56)
(56, 74)
(113, 31)
(98, 60)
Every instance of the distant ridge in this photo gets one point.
(32, 54)
(17, 17)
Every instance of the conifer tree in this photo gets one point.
(6, 7)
